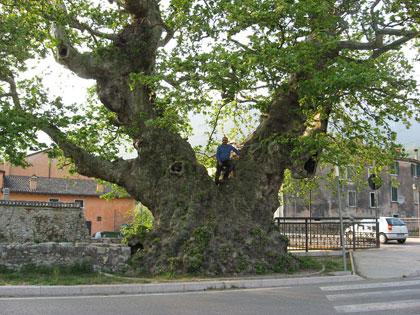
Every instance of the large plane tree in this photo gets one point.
(325, 78)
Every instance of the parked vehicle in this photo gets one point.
(107, 234)
(364, 226)
(391, 228)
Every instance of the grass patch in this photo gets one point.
(59, 275)
(83, 274)
(330, 263)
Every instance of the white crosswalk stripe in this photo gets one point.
(363, 298)
(371, 285)
(369, 307)
(389, 293)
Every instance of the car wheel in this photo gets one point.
(401, 241)
(383, 239)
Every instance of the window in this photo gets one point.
(418, 170)
(352, 199)
(99, 219)
(79, 202)
(394, 194)
(53, 200)
(395, 168)
(413, 170)
(395, 221)
(373, 202)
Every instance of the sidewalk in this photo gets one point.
(89, 290)
(392, 260)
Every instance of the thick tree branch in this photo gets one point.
(353, 45)
(74, 23)
(378, 43)
(85, 65)
(393, 45)
(13, 89)
(87, 164)
(169, 35)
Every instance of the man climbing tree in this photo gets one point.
(326, 76)
(224, 161)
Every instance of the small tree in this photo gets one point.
(139, 227)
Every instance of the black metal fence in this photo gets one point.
(324, 233)
(413, 225)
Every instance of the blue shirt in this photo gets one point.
(223, 152)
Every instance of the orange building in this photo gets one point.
(44, 180)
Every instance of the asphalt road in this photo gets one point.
(392, 260)
(376, 297)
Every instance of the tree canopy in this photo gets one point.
(216, 58)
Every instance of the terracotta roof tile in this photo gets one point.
(56, 186)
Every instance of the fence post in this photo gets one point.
(354, 236)
(377, 232)
(306, 235)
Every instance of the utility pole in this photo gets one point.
(418, 209)
(342, 238)
(418, 189)
(417, 198)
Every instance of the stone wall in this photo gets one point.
(103, 257)
(29, 221)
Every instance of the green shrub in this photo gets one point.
(286, 263)
(260, 268)
(4, 269)
(310, 263)
(140, 226)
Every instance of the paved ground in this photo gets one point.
(395, 290)
(370, 297)
(392, 260)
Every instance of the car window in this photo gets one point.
(110, 234)
(395, 221)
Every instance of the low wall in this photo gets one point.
(103, 257)
(31, 221)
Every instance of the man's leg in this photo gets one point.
(218, 171)
(228, 167)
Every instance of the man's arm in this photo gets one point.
(235, 150)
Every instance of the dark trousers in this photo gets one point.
(226, 166)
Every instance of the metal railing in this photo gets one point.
(412, 226)
(324, 233)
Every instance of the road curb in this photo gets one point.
(121, 289)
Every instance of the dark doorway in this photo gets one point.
(89, 226)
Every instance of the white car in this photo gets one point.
(391, 228)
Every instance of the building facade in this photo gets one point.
(44, 180)
(398, 195)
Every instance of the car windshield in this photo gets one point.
(110, 234)
(395, 221)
